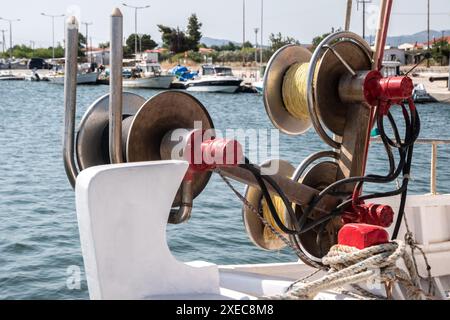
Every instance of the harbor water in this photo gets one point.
(39, 240)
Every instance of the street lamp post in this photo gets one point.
(428, 32)
(135, 25)
(53, 29)
(262, 31)
(87, 24)
(256, 45)
(141, 35)
(10, 35)
(364, 3)
(3, 40)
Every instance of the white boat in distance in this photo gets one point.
(87, 74)
(82, 78)
(148, 75)
(215, 79)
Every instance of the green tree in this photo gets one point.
(278, 41)
(247, 44)
(317, 40)
(440, 51)
(104, 45)
(174, 39)
(193, 32)
(147, 42)
(82, 44)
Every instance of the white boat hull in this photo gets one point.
(162, 82)
(85, 78)
(217, 89)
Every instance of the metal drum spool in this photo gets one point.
(145, 123)
(92, 145)
(161, 114)
(319, 177)
(337, 55)
(276, 70)
(253, 225)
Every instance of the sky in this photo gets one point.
(301, 19)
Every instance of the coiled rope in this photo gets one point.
(294, 91)
(281, 210)
(350, 266)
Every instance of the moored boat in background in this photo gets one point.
(214, 79)
(149, 75)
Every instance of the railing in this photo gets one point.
(434, 151)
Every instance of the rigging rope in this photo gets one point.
(350, 266)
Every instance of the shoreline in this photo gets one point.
(438, 89)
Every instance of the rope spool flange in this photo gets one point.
(285, 96)
(258, 233)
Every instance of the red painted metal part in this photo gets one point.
(211, 154)
(362, 236)
(370, 213)
(394, 90)
(382, 36)
(384, 92)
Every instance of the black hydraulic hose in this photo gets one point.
(411, 136)
(406, 174)
(401, 210)
(406, 152)
(260, 179)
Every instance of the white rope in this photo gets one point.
(350, 266)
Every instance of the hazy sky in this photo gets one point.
(221, 19)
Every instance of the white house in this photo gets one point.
(395, 54)
(99, 56)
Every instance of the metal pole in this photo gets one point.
(115, 96)
(10, 40)
(380, 42)
(433, 168)
(262, 32)
(3, 40)
(10, 35)
(348, 15)
(428, 31)
(53, 29)
(70, 96)
(87, 41)
(135, 25)
(135, 33)
(53, 38)
(243, 22)
(87, 24)
(256, 45)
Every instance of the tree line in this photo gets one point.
(181, 43)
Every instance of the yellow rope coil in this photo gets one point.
(294, 91)
(281, 210)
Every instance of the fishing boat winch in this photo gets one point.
(338, 90)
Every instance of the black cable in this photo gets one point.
(260, 179)
(405, 149)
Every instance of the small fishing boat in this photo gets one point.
(11, 77)
(35, 77)
(82, 78)
(86, 75)
(148, 75)
(214, 79)
(258, 87)
(420, 94)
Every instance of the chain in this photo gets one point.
(260, 216)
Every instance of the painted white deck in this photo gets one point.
(122, 214)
